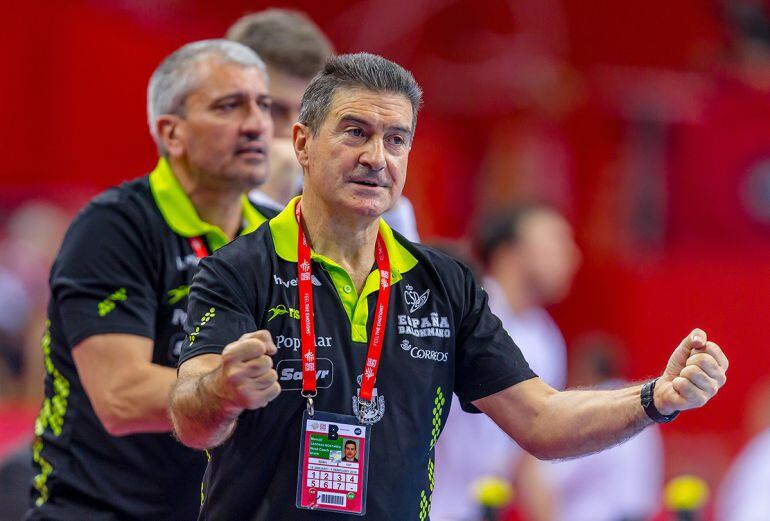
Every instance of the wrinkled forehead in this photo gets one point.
(377, 108)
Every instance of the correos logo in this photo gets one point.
(424, 354)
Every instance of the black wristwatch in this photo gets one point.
(648, 404)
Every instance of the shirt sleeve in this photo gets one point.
(102, 280)
(488, 360)
(220, 308)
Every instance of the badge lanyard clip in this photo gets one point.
(309, 397)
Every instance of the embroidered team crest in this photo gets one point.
(367, 412)
(414, 300)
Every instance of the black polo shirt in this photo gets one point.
(124, 267)
(441, 338)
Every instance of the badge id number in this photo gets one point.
(333, 463)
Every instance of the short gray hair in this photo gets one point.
(177, 76)
(360, 70)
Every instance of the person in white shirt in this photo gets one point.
(294, 50)
(624, 482)
(742, 496)
(530, 258)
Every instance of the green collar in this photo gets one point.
(181, 216)
(284, 229)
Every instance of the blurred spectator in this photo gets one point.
(530, 259)
(34, 233)
(294, 50)
(743, 493)
(620, 483)
(14, 312)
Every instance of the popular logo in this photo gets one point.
(368, 412)
(290, 373)
(414, 300)
(294, 343)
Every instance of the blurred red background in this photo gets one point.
(645, 122)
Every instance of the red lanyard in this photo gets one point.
(198, 247)
(307, 317)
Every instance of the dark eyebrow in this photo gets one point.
(239, 95)
(229, 96)
(353, 119)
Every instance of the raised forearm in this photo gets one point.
(213, 390)
(128, 393)
(199, 417)
(138, 401)
(577, 422)
(552, 425)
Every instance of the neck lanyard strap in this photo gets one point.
(198, 247)
(307, 317)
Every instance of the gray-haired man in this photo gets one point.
(427, 324)
(103, 447)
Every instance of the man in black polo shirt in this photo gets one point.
(283, 316)
(103, 447)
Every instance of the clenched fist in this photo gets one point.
(246, 378)
(694, 374)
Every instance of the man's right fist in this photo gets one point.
(246, 379)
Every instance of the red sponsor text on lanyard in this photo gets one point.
(307, 317)
(198, 247)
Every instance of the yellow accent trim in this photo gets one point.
(284, 230)
(181, 216)
(51, 417)
(40, 481)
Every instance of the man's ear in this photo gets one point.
(301, 136)
(171, 134)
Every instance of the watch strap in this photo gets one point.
(648, 404)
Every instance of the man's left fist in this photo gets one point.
(694, 374)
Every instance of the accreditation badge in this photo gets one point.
(333, 463)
